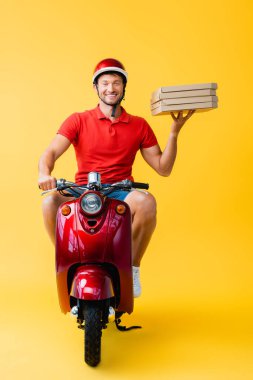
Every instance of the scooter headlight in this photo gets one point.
(91, 203)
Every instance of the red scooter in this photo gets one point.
(93, 257)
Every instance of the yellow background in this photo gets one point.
(196, 309)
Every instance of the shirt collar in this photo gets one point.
(124, 116)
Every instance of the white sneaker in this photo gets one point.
(136, 282)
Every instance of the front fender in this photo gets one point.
(92, 283)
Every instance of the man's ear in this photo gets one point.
(95, 87)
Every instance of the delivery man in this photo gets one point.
(106, 140)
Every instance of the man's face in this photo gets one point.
(110, 88)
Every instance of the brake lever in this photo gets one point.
(48, 191)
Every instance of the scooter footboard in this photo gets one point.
(92, 282)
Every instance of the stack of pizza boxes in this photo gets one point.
(199, 97)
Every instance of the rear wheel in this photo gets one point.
(92, 332)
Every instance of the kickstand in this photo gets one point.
(124, 328)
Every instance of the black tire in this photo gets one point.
(92, 333)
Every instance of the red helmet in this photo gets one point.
(109, 64)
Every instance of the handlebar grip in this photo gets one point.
(140, 185)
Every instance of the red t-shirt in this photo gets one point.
(105, 146)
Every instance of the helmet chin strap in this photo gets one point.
(114, 106)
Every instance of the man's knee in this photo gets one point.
(151, 210)
(144, 204)
(148, 205)
(51, 203)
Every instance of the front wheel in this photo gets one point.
(92, 332)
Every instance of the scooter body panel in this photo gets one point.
(102, 239)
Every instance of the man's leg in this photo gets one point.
(49, 207)
(143, 209)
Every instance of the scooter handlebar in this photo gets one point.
(140, 185)
(62, 184)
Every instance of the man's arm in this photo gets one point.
(46, 163)
(163, 162)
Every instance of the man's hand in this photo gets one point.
(179, 120)
(47, 182)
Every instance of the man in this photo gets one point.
(106, 139)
